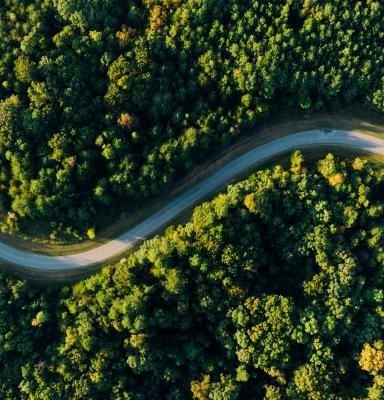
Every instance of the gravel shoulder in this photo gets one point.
(56, 265)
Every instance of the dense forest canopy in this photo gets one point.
(273, 290)
(110, 100)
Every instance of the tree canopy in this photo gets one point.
(273, 290)
(109, 101)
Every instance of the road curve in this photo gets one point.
(125, 242)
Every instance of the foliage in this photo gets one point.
(109, 102)
(273, 290)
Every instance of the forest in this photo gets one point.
(273, 290)
(105, 102)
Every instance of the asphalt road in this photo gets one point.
(133, 237)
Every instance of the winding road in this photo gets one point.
(133, 237)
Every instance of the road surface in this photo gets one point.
(134, 236)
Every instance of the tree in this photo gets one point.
(372, 358)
